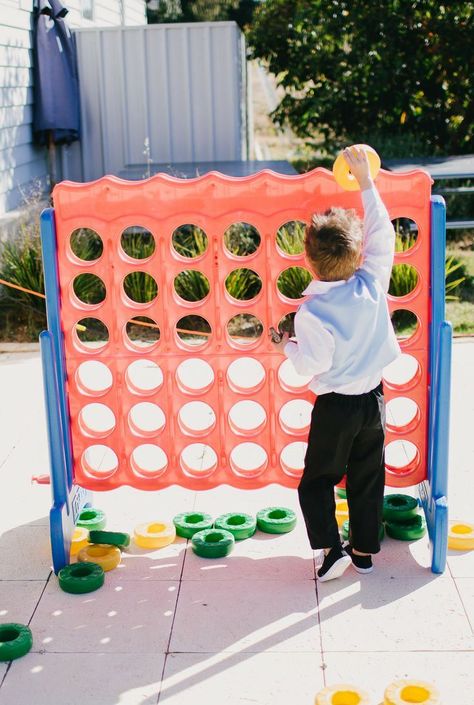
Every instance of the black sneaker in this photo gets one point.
(362, 564)
(333, 565)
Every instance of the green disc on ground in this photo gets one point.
(112, 538)
(241, 526)
(15, 640)
(189, 523)
(79, 578)
(345, 531)
(276, 520)
(398, 507)
(213, 543)
(92, 519)
(408, 530)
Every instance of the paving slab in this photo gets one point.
(246, 615)
(465, 588)
(461, 564)
(240, 679)
(451, 673)
(83, 679)
(139, 564)
(261, 557)
(26, 553)
(371, 613)
(133, 617)
(18, 600)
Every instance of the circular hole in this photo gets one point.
(99, 461)
(290, 238)
(91, 335)
(405, 323)
(290, 380)
(137, 242)
(295, 416)
(460, 529)
(194, 376)
(140, 287)
(287, 324)
(93, 378)
(244, 329)
(193, 331)
(292, 458)
(144, 377)
(198, 460)
(9, 634)
(248, 460)
(241, 239)
(403, 415)
(86, 244)
(401, 457)
(293, 281)
(196, 418)
(415, 694)
(141, 332)
(402, 373)
(96, 420)
(189, 241)
(243, 284)
(406, 234)
(403, 280)
(89, 289)
(245, 375)
(148, 461)
(146, 419)
(247, 418)
(215, 537)
(191, 285)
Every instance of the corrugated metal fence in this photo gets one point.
(182, 87)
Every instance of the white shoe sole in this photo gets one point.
(363, 570)
(336, 570)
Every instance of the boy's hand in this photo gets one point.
(279, 341)
(358, 163)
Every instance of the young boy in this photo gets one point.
(344, 338)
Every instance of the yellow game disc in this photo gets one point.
(80, 538)
(154, 535)
(342, 694)
(404, 692)
(460, 535)
(342, 173)
(108, 557)
(342, 511)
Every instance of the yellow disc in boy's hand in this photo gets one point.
(342, 172)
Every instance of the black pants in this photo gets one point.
(346, 436)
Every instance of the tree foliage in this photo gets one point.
(388, 72)
(240, 11)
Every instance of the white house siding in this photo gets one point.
(22, 162)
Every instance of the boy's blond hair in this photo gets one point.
(333, 244)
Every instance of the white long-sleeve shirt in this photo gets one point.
(313, 351)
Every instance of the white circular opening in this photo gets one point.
(198, 460)
(404, 372)
(144, 377)
(290, 380)
(99, 461)
(402, 414)
(96, 420)
(292, 458)
(196, 418)
(148, 460)
(146, 419)
(248, 460)
(245, 375)
(194, 376)
(295, 416)
(247, 418)
(93, 378)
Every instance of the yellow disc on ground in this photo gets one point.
(460, 535)
(407, 692)
(341, 170)
(342, 694)
(156, 534)
(80, 538)
(342, 511)
(108, 557)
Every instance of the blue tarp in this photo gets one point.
(56, 83)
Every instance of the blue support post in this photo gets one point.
(68, 498)
(434, 490)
